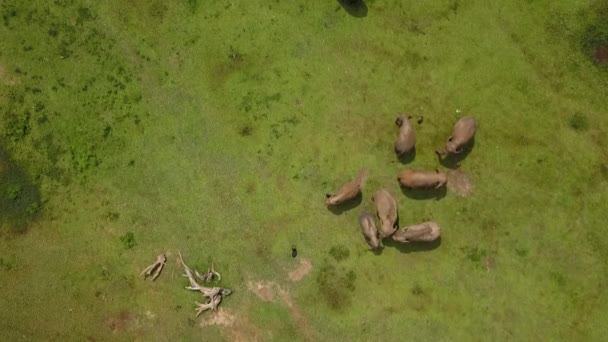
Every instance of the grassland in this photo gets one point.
(216, 127)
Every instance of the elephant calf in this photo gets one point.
(406, 140)
(463, 133)
(386, 208)
(423, 232)
(348, 191)
(369, 230)
(414, 179)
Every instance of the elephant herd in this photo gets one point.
(385, 203)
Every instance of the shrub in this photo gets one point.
(335, 285)
(128, 240)
(339, 252)
(578, 121)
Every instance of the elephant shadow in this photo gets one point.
(356, 8)
(407, 157)
(410, 247)
(452, 161)
(424, 194)
(346, 206)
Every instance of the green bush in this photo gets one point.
(335, 285)
(128, 240)
(339, 252)
(578, 121)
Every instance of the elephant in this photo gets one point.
(386, 209)
(348, 191)
(414, 179)
(369, 230)
(406, 140)
(463, 133)
(422, 232)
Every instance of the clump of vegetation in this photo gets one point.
(128, 240)
(336, 285)
(7, 263)
(578, 121)
(594, 38)
(417, 290)
(246, 130)
(112, 216)
(339, 252)
(475, 254)
(13, 191)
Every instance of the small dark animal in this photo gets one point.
(294, 251)
(348, 191)
(406, 140)
(414, 179)
(464, 131)
(420, 119)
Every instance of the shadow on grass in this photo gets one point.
(376, 251)
(20, 200)
(346, 206)
(453, 161)
(410, 247)
(407, 157)
(423, 194)
(356, 8)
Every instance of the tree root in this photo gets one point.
(155, 269)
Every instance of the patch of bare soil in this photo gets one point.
(601, 54)
(219, 317)
(295, 313)
(120, 322)
(460, 183)
(5, 78)
(267, 290)
(301, 271)
(490, 263)
(235, 327)
(264, 290)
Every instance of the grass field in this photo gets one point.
(215, 128)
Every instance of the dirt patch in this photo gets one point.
(301, 271)
(267, 290)
(601, 54)
(220, 317)
(460, 183)
(295, 313)
(5, 77)
(490, 263)
(235, 327)
(264, 290)
(120, 322)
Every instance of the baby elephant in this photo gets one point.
(348, 191)
(414, 179)
(463, 133)
(386, 208)
(406, 140)
(423, 232)
(369, 230)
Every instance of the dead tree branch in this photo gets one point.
(155, 269)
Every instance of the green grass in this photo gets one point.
(215, 128)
